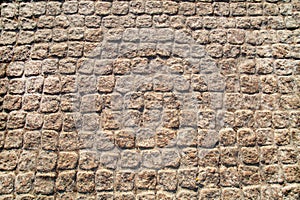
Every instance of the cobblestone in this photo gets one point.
(149, 99)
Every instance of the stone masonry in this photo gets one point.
(150, 100)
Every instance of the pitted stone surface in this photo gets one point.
(138, 99)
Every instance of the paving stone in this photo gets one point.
(189, 157)
(34, 121)
(52, 122)
(65, 181)
(219, 8)
(85, 182)
(8, 160)
(229, 176)
(232, 193)
(125, 139)
(229, 156)
(249, 155)
(49, 104)
(246, 137)
(68, 141)
(251, 192)
(9, 10)
(186, 8)
(102, 8)
(86, 7)
(120, 8)
(49, 140)
(31, 102)
(7, 183)
(104, 180)
(164, 195)
(32, 139)
(15, 69)
(27, 161)
(67, 160)
(151, 159)
(167, 180)
(186, 194)
(124, 180)
(46, 161)
(287, 155)
(208, 177)
(16, 120)
(170, 158)
(210, 193)
(269, 155)
(40, 51)
(44, 183)
(204, 8)
(13, 139)
(87, 160)
(70, 7)
(24, 182)
(238, 9)
(130, 159)
(12, 102)
(227, 137)
(146, 179)
(53, 8)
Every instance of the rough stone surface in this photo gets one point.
(150, 99)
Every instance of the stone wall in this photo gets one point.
(150, 99)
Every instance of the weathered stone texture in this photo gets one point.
(150, 99)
